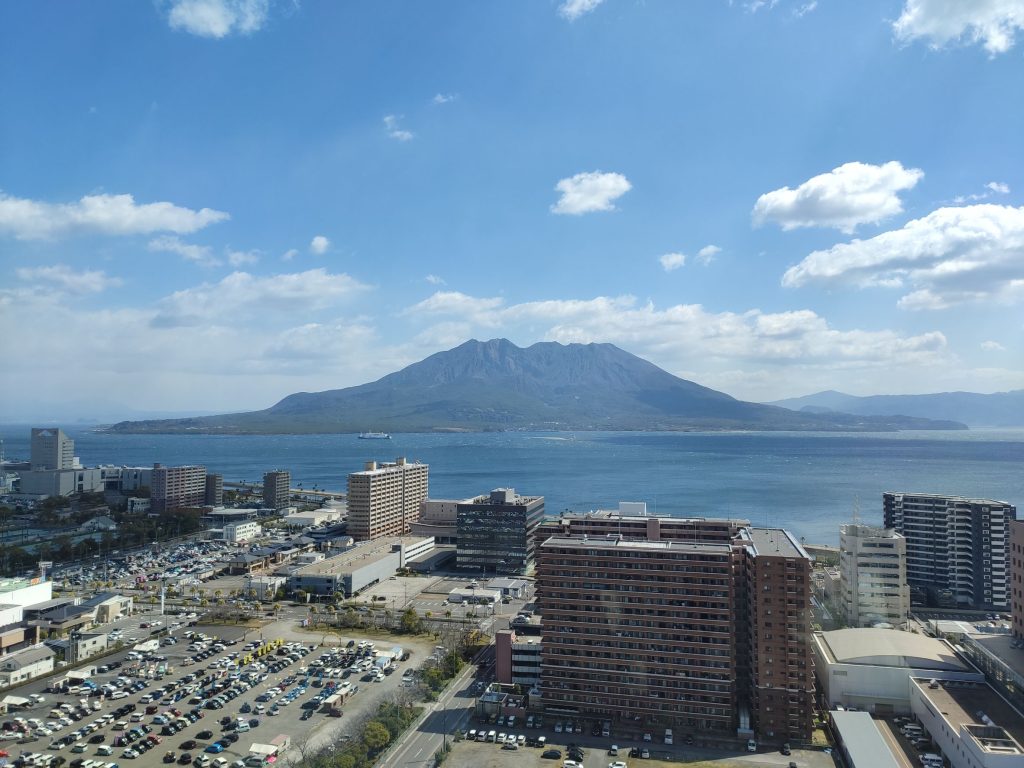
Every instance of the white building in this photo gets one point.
(242, 530)
(313, 517)
(25, 592)
(24, 665)
(970, 723)
(870, 669)
(469, 595)
(873, 576)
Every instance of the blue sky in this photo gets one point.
(209, 204)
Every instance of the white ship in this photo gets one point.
(374, 436)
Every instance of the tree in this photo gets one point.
(376, 736)
(410, 623)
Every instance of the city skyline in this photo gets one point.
(215, 203)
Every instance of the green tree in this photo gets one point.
(410, 623)
(376, 736)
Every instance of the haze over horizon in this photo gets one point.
(208, 205)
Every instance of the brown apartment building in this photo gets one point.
(173, 487)
(1016, 577)
(384, 499)
(668, 623)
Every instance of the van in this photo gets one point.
(119, 695)
(492, 736)
(668, 735)
(243, 727)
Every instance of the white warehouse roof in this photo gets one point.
(890, 648)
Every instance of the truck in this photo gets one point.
(149, 646)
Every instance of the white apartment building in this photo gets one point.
(241, 531)
(873, 576)
(384, 499)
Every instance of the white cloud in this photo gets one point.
(672, 261)
(218, 18)
(589, 192)
(63, 278)
(998, 187)
(435, 280)
(993, 23)
(243, 293)
(573, 9)
(241, 258)
(319, 245)
(992, 346)
(806, 8)
(103, 214)
(444, 98)
(951, 256)
(845, 197)
(197, 254)
(290, 254)
(391, 126)
(792, 344)
(707, 254)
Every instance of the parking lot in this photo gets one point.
(197, 689)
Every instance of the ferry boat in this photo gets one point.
(374, 436)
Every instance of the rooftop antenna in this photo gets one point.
(856, 509)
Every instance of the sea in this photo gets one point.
(809, 483)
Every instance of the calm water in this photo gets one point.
(809, 483)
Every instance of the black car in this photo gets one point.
(551, 754)
(231, 737)
(185, 758)
(99, 738)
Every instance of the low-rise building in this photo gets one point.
(241, 531)
(860, 741)
(998, 656)
(970, 723)
(16, 668)
(514, 588)
(870, 669)
(111, 606)
(517, 659)
(364, 565)
(475, 595)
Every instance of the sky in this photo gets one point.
(206, 205)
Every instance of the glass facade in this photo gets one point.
(496, 532)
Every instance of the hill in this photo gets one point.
(495, 385)
(1001, 409)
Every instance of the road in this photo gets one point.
(450, 712)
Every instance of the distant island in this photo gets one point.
(495, 385)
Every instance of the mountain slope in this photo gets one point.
(1001, 409)
(497, 385)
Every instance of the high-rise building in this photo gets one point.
(174, 487)
(638, 632)
(956, 547)
(384, 499)
(873, 576)
(51, 449)
(1017, 577)
(276, 489)
(495, 533)
(776, 654)
(214, 495)
(619, 590)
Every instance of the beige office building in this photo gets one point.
(384, 499)
(873, 576)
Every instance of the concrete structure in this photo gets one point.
(313, 517)
(135, 478)
(438, 518)
(79, 646)
(362, 566)
(860, 741)
(640, 526)
(277, 488)
(25, 592)
(60, 482)
(265, 588)
(777, 647)
(495, 533)
(174, 487)
(475, 596)
(517, 659)
(384, 499)
(1001, 660)
(1017, 578)
(139, 506)
(637, 632)
(111, 606)
(957, 548)
(873, 576)
(213, 496)
(16, 668)
(242, 530)
(514, 588)
(870, 669)
(51, 449)
(970, 723)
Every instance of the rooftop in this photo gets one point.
(357, 557)
(965, 704)
(775, 541)
(889, 648)
(999, 646)
(613, 542)
(28, 656)
(865, 744)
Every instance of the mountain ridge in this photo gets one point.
(495, 385)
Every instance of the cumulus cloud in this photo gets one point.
(290, 254)
(319, 245)
(241, 258)
(951, 256)
(845, 197)
(444, 98)
(589, 192)
(197, 254)
(573, 9)
(999, 187)
(103, 214)
(992, 23)
(672, 261)
(795, 342)
(218, 18)
(992, 346)
(64, 279)
(707, 254)
(393, 129)
(435, 280)
(241, 292)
